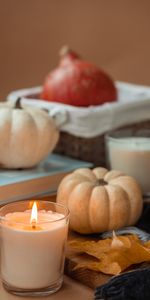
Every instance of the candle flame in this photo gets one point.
(34, 214)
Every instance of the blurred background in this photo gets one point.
(115, 35)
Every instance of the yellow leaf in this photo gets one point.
(113, 255)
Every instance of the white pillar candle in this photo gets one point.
(131, 155)
(33, 250)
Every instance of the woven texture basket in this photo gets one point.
(90, 149)
(135, 110)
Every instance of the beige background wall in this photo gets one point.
(114, 34)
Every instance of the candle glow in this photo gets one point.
(34, 214)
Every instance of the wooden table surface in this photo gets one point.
(71, 290)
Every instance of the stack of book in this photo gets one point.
(42, 180)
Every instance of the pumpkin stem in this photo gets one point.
(102, 182)
(18, 103)
(66, 51)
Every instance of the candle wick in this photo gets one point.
(33, 225)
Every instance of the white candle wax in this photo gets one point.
(33, 258)
(131, 155)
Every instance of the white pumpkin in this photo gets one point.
(100, 200)
(27, 136)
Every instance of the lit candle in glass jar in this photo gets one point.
(32, 250)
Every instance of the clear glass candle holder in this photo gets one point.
(128, 150)
(33, 248)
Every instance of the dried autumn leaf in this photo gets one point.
(114, 255)
(93, 248)
(119, 242)
(124, 257)
(147, 244)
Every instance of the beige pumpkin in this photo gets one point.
(27, 136)
(100, 200)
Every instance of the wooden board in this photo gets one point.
(90, 278)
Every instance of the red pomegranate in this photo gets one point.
(77, 82)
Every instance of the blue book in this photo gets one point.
(42, 180)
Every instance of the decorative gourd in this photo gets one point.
(78, 82)
(100, 200)
(27, 136)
